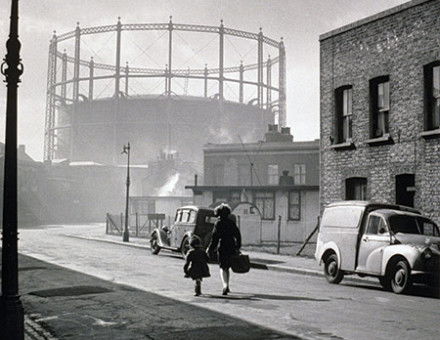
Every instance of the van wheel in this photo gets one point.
(332, 272)
(400, 277)
(185, 246)
(154, 245)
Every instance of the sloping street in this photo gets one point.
(300, 305)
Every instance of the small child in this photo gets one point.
(196, 265)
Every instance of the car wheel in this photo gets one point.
(154, 245)
(332, 272)
(400, 277)
(185, 246)
(385, 282)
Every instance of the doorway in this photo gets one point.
(405, 189)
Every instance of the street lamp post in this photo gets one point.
(11, 308)
(126, 150)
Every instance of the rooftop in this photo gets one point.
(262, 146)
(372, 18)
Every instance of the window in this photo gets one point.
(375, 225)
(428, 228)
(380, 106)
(185, 216)
(294, 205)
(299, 173)
(272, 174)
(265, 202)
(356, 188)
(344, 111)
(432, 96)
(192, 216)
(178, 216)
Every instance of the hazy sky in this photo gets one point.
(300, 22)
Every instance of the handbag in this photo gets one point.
(240, 263)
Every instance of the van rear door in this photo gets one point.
(340, 224)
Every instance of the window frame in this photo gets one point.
(429, 98)
(362, 181)
(262, 210)
(379, 115)
(289, 204)
(302, 175)
(342, 116)
(272, 177)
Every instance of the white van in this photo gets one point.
(393, 243)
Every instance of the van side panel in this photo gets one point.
(340, 224)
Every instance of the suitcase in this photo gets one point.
(240, 263)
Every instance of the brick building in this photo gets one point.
(380, 108)
(276, 179)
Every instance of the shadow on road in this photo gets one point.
(287, 298)
(416, 290)
(259, 297)
(73, 305)
(231, 297)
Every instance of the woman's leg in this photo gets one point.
(224, 274)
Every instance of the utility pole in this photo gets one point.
(11, 308)
(126, 149)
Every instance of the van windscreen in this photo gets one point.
(342, 217)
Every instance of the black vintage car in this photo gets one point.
(189, 220)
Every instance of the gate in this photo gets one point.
(114, 224)
(139, 225)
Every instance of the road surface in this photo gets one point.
(300, 305)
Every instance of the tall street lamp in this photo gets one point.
(11, 308)
(126, 150)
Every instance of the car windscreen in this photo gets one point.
(412, 225)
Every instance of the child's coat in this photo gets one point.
(196, 265)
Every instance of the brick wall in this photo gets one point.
(398, 43)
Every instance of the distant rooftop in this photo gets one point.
(372, 18)
(275, 139)
(261, 146)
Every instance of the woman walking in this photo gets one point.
(226, 240)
